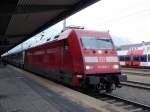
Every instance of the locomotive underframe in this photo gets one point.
(103, 82)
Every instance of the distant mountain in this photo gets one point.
(120, 41)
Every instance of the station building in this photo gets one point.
(143, 45)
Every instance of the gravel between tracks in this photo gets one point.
(143, 79)
(134, 94)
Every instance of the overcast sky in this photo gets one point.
(129, 19)
(124, 18)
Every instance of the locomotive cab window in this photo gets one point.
(93, 42)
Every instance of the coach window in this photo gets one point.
(143, 58)
(121, 58)
(149, 57)
(127, 58)
(136, 58)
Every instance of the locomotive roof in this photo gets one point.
(66, 33)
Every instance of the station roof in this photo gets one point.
(129, 46)
(21, 19)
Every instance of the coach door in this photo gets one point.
(148, 62)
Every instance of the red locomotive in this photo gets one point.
(79, 58)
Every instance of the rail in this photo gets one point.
(137, 84)
(125, 103)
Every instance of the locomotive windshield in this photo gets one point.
(96, 43)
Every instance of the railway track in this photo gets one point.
(135, 72)
(126, 104)
(136, 84)
(140, 69)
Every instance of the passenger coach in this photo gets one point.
(134, 58)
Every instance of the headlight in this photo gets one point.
(115, 66)
(99, 51)
(87, 67)
(79, 76)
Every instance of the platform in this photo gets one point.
(21, 94)
(22, 91)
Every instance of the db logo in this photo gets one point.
(103, 67)
(102, 59)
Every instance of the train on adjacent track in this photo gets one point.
(77, 57)
(135, 58)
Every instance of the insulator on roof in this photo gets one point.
(56, 36)
(72, 27)
(48, 39)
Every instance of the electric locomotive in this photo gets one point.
(80, 58)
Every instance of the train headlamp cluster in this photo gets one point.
(79, 76)
(116, 66)
(88, 67)
(99, 51)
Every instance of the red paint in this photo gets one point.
(132, 53)
(75, 81)
(135, 52)
(136, 63)
(55, 56)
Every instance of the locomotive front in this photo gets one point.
(101, 63)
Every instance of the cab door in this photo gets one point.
(66, 57)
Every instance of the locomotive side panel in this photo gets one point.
(42, 58)
(77, 58)
(53, 60)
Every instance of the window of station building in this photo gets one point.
(143, 58)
